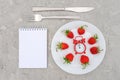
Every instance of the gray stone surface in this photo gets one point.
(14, 13)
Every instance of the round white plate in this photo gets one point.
(75, 67)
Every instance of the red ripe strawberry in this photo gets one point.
(69, 34)
(68, 58)
(95, 50)
(92, 40)
(84, 60)
(81, 30)
(62, 46)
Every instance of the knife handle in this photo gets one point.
(37, 9)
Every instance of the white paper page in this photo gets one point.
(33, 48)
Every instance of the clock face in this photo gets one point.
(80, 47)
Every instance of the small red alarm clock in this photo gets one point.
(79, 45)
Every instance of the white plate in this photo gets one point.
(75, 67)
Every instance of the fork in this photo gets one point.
(38, 17)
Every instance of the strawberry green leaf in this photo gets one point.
(66, 60)
(96, 36)
(82, 27)
(67, 31)
(85, 65)
(99, 50)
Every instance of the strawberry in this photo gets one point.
(84, 60)
(81, 30)
(62, 46)
(95, 50)
(69, 34)
(68, 58)
(92, 40)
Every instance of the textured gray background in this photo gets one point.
(14, 13)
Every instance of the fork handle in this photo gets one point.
(37, 9)
(62, 17)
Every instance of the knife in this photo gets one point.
(74, 9)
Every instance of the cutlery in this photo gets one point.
(74, 9)
(38, 17)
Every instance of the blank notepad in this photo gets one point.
(32, 48)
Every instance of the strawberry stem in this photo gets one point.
(85, 65)
(96, 36)
(56, 49)
(83, 26)
(99, 50)
(63, 31)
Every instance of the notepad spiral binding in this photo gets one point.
(32, 29)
